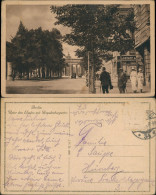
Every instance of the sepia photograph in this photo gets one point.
(78, 48)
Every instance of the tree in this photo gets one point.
(36, 50)
(95, 28)
(18, 45)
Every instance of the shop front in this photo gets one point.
(126, 62)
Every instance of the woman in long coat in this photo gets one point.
(133, 78)
(140, 78)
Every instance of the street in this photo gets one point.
(58, 86)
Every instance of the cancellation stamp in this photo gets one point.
(150, 130)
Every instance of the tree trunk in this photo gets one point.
(20, 74)
(60, 71)
(92, 82)
(50, 73)
(120, 60)
(43, 73)
(53, 74)
(28, 74)
(92, 79)
(39, 72)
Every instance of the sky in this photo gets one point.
(34, 16)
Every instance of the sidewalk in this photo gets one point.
(115, 90)
(60, 86)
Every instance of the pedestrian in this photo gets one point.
(97, 76)
(140, 79)
(122, 80)
(105, 80)
(133, 78)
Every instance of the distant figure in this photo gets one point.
(133, 78)
(13, 75)
(140, 78)
(97, 76)
(122, 80)
(105, 80)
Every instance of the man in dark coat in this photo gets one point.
(105, 80)
(122, 80)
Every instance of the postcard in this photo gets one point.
(78, 48)
(78, 146)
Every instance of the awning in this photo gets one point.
(142, 42)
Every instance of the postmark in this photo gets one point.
(150, 131)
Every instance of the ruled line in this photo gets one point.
(115, 172)
(110, 156)
(110, 145)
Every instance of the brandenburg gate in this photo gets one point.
(74, 66)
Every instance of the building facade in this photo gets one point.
(140, 57)
(126, 62)
(73, 66)
(120, 61)
(142, 39)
